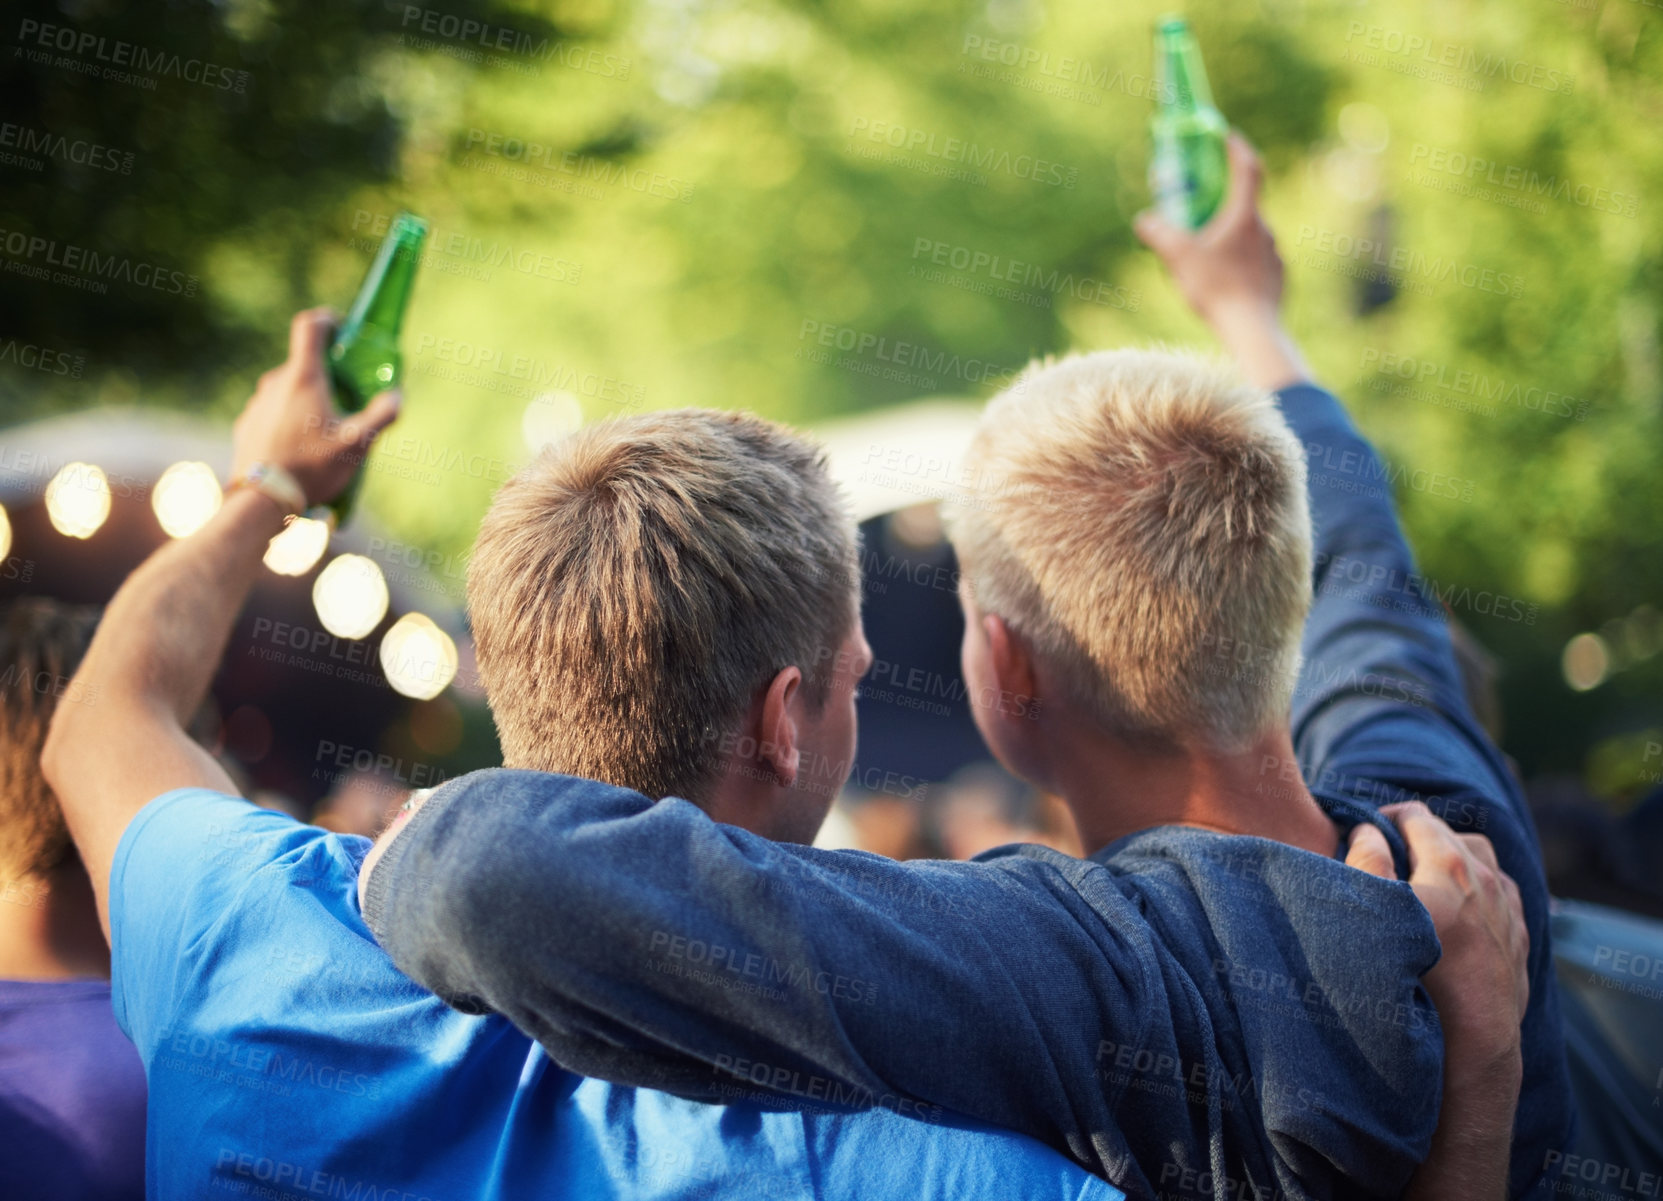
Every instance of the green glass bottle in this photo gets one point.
(364, 358)
(1189, 169)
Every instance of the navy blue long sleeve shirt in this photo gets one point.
(1186, 1013)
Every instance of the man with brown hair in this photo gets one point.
(71, 1086)
(1216, 1003)
(666, 605)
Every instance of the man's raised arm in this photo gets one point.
(164, 632)
(1378, 710)
(1375, 642)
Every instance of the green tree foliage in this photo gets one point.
(673, 202)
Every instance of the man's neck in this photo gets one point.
(49, 927)
(1115, 789)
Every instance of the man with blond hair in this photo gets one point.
(1216, 1003)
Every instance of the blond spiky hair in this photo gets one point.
(1142, 523)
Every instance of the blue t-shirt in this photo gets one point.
(288, 1058)
(71, 1094)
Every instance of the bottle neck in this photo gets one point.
(1182, 78)
(383, 305)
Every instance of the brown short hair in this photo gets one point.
(41, 644)
(635, 585)
(1145, 526)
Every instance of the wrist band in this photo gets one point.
(275, 482)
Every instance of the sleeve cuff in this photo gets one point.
(378, 886)
(1310, 409)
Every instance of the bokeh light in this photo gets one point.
(1365, 127)
(550, 417)
(185, 498)
(1586, 661)
(298, 547)
(918, 527)
(350, 596)
(78, 500)
(5, 533)
(418, 657)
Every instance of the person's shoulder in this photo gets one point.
(192, 834)
(194, 858)
(1033, 866)
(948, 1156)
(1238, 873)
(524, 786)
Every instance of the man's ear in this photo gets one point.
(1013, 670)
(777, 744)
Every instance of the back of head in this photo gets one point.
(635, 585)
(1143, 524)
(41, 644)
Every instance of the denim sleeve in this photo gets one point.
(1380, 714)
(1376, 644)
(646, 944)
(1379, 711)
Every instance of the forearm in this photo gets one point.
(1473, 1142)
(1349, 489)
(149, 666)
(646, 944)
(1374, 629)
(1262, 347)
(165, 631)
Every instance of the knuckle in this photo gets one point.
(1480, 845)
(1446, 857)
(1372, 859)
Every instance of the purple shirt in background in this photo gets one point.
(71, 1094)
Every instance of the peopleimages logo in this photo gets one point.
(1001, 269)
(1489, 391)
(1064, 75)
(497, 369)
(1411, 266)
(42, 358)
(1627, 1180)
(84, 268)
(69, 41)
(1423, 53)
(463, 254)
(1523, 180)
(582, 168)
(910, 355)
(27, 141)
(467, 33)
(956, 150)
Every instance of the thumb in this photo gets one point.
(1367, 851)
(1157, 233)
(1247, 176)
(309, 334)
(376, 416)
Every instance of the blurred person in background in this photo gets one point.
(1607, 947)
(285, 1052)
(362, 802)
(979, 807)
(982, 806)
(1220, 1013)
(71, 1086)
